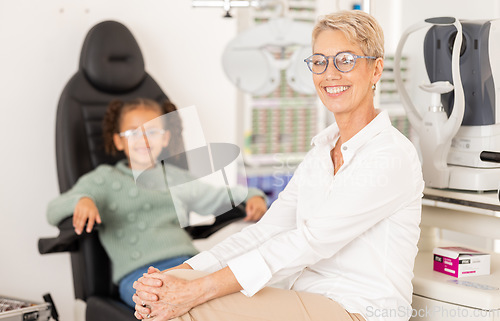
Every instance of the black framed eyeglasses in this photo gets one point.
(343, 61)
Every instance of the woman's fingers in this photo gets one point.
(153, 279)
(163, 296)
(143, 311)
(152, 269)
(148, 287)
(145, 292)
(141, 307)
(147, 296)
(139, 316)
(139, 301)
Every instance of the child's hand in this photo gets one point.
(85, 210)
(256, 207)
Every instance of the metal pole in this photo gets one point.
(367, 6)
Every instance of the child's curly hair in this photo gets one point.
(118, 108)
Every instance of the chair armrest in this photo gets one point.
(64, 242)
(204, 231)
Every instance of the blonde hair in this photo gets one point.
(358, 27)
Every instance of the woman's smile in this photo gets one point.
(343, 93)
(336, 90)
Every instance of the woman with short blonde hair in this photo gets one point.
(358, 27)
(340, 241)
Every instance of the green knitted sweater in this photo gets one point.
(139, 224)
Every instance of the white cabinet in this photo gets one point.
(437, 296)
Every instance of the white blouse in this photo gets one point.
(351, 236)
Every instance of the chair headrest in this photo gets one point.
(111, 58)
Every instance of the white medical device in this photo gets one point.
(459, 133)
(250, 65)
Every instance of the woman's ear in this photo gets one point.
(118, 142)
(166, 138)
(377, 70)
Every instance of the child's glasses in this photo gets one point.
(138, 133)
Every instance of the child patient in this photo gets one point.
(140, 225)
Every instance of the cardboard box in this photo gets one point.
(461, 261)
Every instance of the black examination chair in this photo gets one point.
(111, 66)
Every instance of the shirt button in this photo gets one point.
(133, 192)
(98, 180)
(135, 255)
(133, 239)
(146, 207)
(344, 147)
(141, 226)
(116, 186)
(113, 206)
(131, 217)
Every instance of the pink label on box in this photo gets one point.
(446, 265)
(460, 249)
(469, 272)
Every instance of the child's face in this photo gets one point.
(141, 150)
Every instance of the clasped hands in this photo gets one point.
(161, 296)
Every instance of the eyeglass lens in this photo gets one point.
(137, 133)
(344, 62)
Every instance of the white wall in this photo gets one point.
(40, 45)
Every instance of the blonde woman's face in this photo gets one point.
(145, 137)
(345, 92)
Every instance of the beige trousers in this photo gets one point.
(269, 304)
